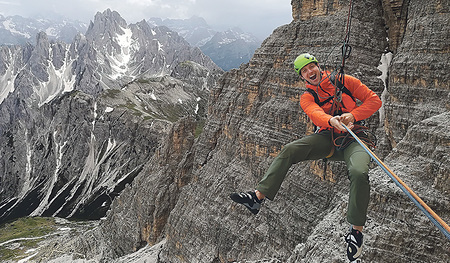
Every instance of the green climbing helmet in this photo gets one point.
(303, 60)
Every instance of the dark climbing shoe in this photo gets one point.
(247, 199)
(354, 241)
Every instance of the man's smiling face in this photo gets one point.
(311, 73)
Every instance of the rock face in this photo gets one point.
(255, 110)
(78, 122)
(179, 199)
(418, 84)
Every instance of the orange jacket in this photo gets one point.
(320, 115)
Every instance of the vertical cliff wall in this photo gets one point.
(254, 111)
(419, 83)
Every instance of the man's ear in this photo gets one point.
(301, 77)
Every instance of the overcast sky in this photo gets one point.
(259, 17)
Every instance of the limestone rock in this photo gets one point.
(180, 196)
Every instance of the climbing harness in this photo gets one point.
(337, 78)
(341, 141)
(434, 218)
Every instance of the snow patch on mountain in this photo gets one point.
(228, 49)
(152, 95)
(11, 27)
(21, 30)
(119, 62)
(51, 31)
(71, 164)
(60, 81)
(7, 81)
(45, 202)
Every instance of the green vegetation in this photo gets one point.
(173, 112)
(28, 231)
(199, 128)
(142, 81)
(148, 80)
(26, 227)
(187, 63)
(112, 93)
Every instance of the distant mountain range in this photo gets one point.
(195, 29)
(76, 109)
(228, 49)
(18, 30)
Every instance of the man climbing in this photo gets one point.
(328, 105)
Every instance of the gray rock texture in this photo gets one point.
(78, 122)
(179, 197)
(254, 111)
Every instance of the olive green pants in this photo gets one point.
(318, 146)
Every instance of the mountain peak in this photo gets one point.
(108, 13)
(106, 21)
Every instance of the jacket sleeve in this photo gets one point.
(370, 100)
(314, 111)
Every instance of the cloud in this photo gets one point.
(9, 3)
(258, 17)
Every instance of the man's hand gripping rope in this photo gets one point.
(347, 119)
